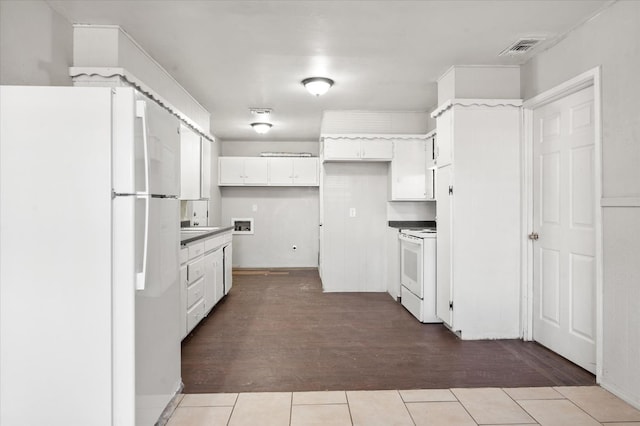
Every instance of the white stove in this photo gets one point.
(418, 273)
(420, 233)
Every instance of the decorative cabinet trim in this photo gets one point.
(476, 102)
(109, 75)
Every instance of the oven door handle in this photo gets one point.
(409, 238)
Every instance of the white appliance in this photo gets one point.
(228, 266)
(418, 273)
(89, 295)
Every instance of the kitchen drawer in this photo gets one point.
(195, 315)
(195, 249)
(195, 270)
(227, 237)
(411, 302)
(213, 243)
(195, 292)
(184, 255)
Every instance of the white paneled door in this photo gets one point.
(564, 281)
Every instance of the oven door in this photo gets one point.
(411, 260)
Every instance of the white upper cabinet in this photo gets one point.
(293, 171)
(255, 171)
(268, 171)
(443, 147)
(357, 149)
(231, 171)
(238, 171)
(410, 174)
(195, 165)
(280, 171)
(345, 149)
(189, 164)
(305, 171)
(205, 186)
(377, 149)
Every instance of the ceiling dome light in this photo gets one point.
(317, 85)
(261, 128)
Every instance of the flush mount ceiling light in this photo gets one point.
(261, 128)
(317, 85)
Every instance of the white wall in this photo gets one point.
(35, 44)
(283, 217)
(411, 210)
(612, 41)
(354, 248)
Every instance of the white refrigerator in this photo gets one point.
(89, 238)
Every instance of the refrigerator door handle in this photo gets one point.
(141, 112)
(142, 275)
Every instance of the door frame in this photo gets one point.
(590, 78)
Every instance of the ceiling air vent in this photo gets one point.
(521, 46)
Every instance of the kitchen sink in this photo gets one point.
(199, 228)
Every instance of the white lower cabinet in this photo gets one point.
(184, 283)
(195, 315)
(192, 292)
(213, 278)
(218, 257)
(202, 278)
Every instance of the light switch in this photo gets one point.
(352, 212)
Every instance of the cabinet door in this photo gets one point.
(231, 171)
(305, 171)
(183, 300)
(409, 171)
(228, 268)
(377, 149)
(209, 281)
(255, 171)
(444, 284)
(431, 168)
(341, 149)
(164, 145)
(219, 277)
(280, 171)
(189, 164)
(205, 179)
(444, 142)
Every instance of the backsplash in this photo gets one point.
(195, 212)
(411, 210)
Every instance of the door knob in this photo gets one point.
(533, 236)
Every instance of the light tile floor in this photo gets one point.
(561, 406)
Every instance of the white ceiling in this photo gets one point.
(383, 55)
